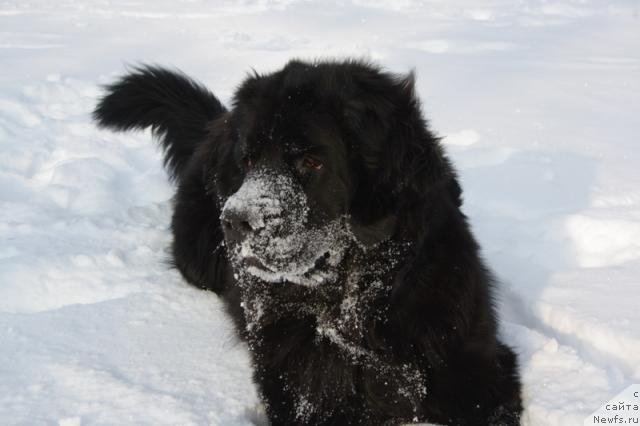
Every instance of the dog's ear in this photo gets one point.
(401, 161)
(175, 107)
(370, 234)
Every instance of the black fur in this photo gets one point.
(172, 105)
(424, 346)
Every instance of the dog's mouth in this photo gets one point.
(310, 274)
(254, 262)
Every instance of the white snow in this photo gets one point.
(540, 102)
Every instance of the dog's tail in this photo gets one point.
(176, 108)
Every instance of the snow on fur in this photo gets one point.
(286, 248)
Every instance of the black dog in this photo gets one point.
(323, 211)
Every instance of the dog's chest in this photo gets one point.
(331, 330)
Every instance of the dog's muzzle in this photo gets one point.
(268, 235)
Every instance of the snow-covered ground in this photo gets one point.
(540, 105)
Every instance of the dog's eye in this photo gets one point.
(247, 162)
(311, 163)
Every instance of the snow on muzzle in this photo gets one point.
(268, 234)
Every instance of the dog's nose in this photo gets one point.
(236, 224)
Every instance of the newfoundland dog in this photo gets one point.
(323, 211)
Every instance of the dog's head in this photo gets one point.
(317, 158)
